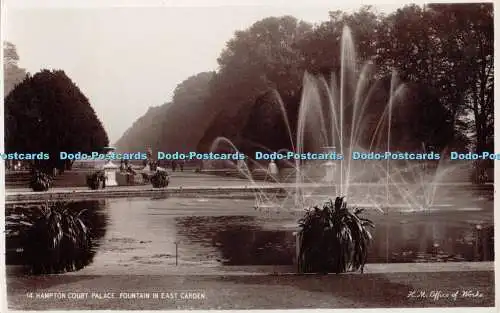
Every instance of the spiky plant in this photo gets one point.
(333, 239)
(58, 241)
(96, 180)
(40, 181)
(160, 179)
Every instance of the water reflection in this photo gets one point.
(142, 235)
(244, 240)
(239, 239)
(431, 241)
(25, 239)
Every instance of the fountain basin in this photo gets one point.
(142, 234)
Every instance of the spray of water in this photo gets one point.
(333, 115)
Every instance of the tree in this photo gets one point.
(255, 61)
(145, 131)
(175, 126)
(468, 38)
(13, 74)
(452, 54)
(189, 116)
(443, 53)
(418, 119)
(265, 127)
(424, 121)
(47, 112)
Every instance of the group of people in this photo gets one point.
(126, 167)
(480, 172)
(179, 163)
(149, 164)
(482, 177)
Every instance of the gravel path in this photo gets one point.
(377, 290)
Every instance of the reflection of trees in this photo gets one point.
(22, 234)
(486, 249)
(239, 239)
(430, 241)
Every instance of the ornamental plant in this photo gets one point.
(160, 179)
(57, 241)
(40, 181)
(96, 180)
(333, 239)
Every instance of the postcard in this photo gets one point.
(248, 156)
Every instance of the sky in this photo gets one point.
(126, 58)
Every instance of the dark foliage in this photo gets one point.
(48, 112)
(333, 239)
(447, 65)
(20, 218)
(265, 125)
(163, 128)
(160, 179)
(40, 181)
(58, 241)
(96, 180)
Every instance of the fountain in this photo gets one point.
(330, 167)
(331, 118)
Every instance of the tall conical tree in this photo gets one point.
(47, 112)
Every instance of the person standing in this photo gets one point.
(130, 172)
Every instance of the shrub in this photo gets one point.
(57, 242)
(40, 181)
(146, 177)
(96, 180)
(160, 179)
(333, 239)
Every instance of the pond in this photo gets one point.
(150, 233)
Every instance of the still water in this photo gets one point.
(141, 233)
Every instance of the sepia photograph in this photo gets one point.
(170, 156)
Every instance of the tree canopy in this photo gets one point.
(442, 53)
(13, 74)
(47, 112)
(174, 126)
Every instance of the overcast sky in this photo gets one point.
(126, 59)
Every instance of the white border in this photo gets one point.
(3, 267)
(328, 4)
